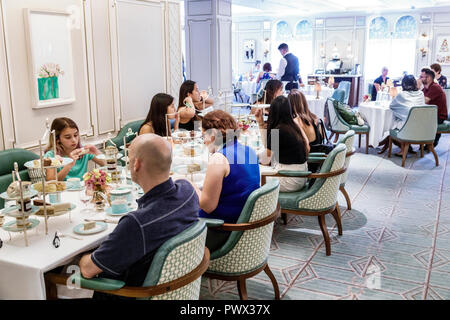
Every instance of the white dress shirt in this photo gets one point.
(282, 68)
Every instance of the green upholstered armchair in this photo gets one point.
(340, 126)
(7, 159)
(319, 199)
(420, 128)
(339, 95)
(174, 274)
(246, 251)
(134, 126)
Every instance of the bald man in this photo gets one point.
(166, 209)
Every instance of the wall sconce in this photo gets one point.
(424, 52)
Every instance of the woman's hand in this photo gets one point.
(74, 155)
(259, 117)
(188, 102)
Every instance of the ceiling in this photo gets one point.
(278, 8)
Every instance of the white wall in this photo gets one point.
(341, 29)
(103, 103)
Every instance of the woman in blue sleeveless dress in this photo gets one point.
(232, 174)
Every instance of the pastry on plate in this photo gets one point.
(14, 188)
(194, 167)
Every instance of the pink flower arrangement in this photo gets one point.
(50, 70)
(96, 180)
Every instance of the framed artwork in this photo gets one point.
(49, 44)
(442, 50)
(249, 51)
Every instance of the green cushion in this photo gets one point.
(346, 113)
(289, 200)
(444, 127)
(363, 128)
(134, 126)
(212, 222)
(98, 283)
(292, 173)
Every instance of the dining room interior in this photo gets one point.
(224, 149)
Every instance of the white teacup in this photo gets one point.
(73, 183)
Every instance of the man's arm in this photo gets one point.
(88, 268)
(282, 68)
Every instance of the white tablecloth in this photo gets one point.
(249, 87)
(316, 106)
(22, 268)
(325, 93)
(379, 117)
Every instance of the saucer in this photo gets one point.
(99, 227)
(109, 211)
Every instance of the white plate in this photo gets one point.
(260, 106)
(27, 195)
(183, 169)
(64, 162)
(99, 227)
(240, 105)
(177, 134)
(103, 156)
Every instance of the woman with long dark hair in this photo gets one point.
(162, 105)
(307, 120)
(189, 101)
(287, 144)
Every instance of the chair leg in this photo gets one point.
(284, 217)
(347, 198)
(367, 143)
(326, 237)
(51, 290)
(405, 152)
(274, 282)
(436, 158)
(336, 138)
(359, 141)
(390, 147)
(421, 151)
(337, 216)
(242, 288)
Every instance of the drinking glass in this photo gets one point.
(85, 198)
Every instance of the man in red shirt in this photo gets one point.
(434, 95)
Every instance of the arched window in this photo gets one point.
(392, 47)
(405, 28)
(303, 31)
(283, 31)
(379, 28)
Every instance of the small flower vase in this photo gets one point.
(48, 88)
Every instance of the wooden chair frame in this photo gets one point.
(242, 288)
(359, 138)
(52, 279)
(335, 210)
(405, 146)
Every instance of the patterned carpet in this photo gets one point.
(396, 241)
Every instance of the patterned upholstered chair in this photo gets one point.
(174, 274)
(134, 126)
(246, 251)
(345, 85)
(348, 139)
(340, 126)
(321, 198)
(420, 128)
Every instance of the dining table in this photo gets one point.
(379, 117)
(249, 87)
(326, 92)
(316, 106)
(22, 267)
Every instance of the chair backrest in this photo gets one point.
(177, 257)
(248, 250)
(336, 122)
(421, 124)
(339, 95)
(7, 159)
(134, 126)
(323, 194)
(348, 139)
(345, 85)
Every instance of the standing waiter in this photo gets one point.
(289, 67)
